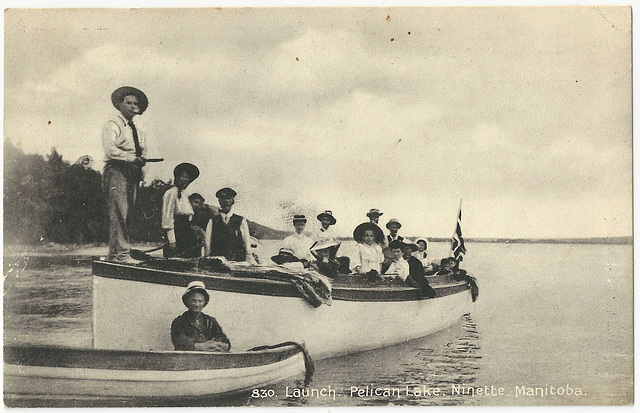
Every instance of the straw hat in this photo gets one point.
(374, 212)
(187, 167)
(394, 221)
(226, 193)
(284, 255)
(195, 287)
(327, 214)
(299, 218)
(358, 233)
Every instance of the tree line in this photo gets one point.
(47, 199)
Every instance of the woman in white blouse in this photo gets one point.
(177, 213)
(369, 256)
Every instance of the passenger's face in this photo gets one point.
(449, 265)
(422, 246)
(299, 226)
(225, 204)
(196, 302)
(393, 229)
(129, 107)
(196, 204)
(396, 253)
(183, 180)
(326, 222)
(406, 252)
(374, 219)
(368, 237)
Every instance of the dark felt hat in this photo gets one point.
(118, 96)
(195, 287)
(328, 214)
(299, 218)
(358, 233)
(226, 193)
(187, 167)
(374, 212)
(284, 255)
(414, 247)
(396, 244)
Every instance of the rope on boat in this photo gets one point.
(308, 361)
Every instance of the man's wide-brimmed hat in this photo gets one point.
(187, 167)
(226, 193)
(374, 212)
(395, 222)
(299, 218)
(195, 287)
(118, 96)
(358, 233)
(284, 255)
(327, 214)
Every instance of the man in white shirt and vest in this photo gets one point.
(125, 148)
(229, 232)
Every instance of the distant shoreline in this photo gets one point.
(598, 240)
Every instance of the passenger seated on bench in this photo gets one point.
(399, 267)
(368, 257)
(447, 266)
(326, 261)
(194, 330)
(416, 271)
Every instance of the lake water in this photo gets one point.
(557, 317)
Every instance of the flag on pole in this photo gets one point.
(457, 243)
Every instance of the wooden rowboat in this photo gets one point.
(252, 310)
(43, 375)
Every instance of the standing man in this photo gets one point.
(299, 243)
(229, 232)
(374, 215)
(393, 226)
(125, 149)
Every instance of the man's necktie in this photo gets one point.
(135, 139)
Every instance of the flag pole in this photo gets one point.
(455, 228)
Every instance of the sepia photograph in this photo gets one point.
(318, 206)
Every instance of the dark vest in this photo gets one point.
(226, 240)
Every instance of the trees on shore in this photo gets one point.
(50, 200)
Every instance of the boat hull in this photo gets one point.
(253, 311)
(55, 373)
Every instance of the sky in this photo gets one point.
(523, 113)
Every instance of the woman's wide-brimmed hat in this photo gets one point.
(195, 287)
(118, 96)
(284, 255)
(187, 167)
(299, 218)
(358, 233)
(330, 245)
(374, 212)
(327, 214)
(395, 222)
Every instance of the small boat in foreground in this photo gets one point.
(75, 374)
(252, 308)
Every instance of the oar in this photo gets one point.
(142, 255)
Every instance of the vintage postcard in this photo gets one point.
(318, 206)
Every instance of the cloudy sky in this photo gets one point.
(523, 113)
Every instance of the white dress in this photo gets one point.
(368, 257)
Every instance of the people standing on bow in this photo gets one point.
(368, 257)
(230, 236)
(125, 148)
(177, 213)
(298, 242)
(194, 330)
(325, 232)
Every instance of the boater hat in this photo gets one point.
(393, 221)
(374, 212)
(299, 218)
(118, 96)
(226, 193)
(358, 233)
(328, 214)
(195, 287)
(191, 169)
